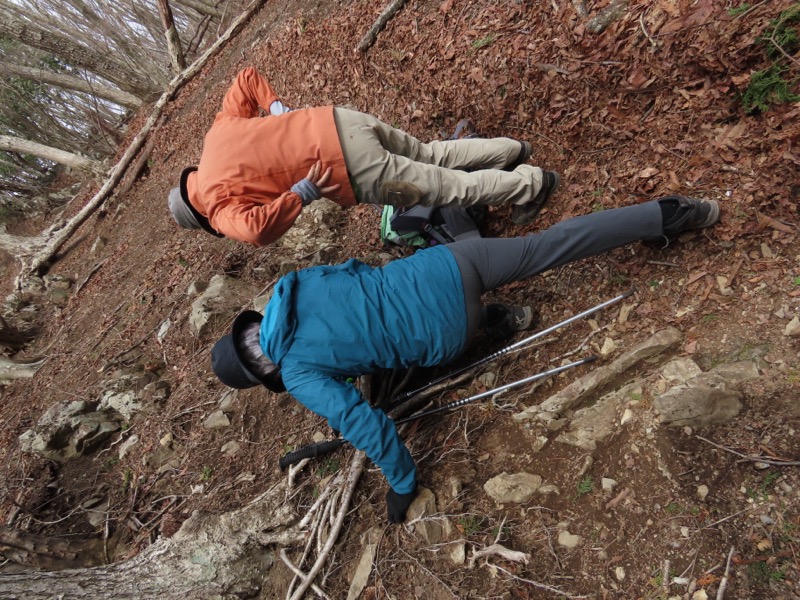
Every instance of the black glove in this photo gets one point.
(397, 505)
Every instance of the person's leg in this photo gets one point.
(499, 261)
(391, 167)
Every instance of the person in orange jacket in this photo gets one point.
(256, 174)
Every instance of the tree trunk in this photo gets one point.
(10, 369)
(103, 64)
(211, 556)
(68, 82)
(201, 8)
(49, 553)
(173, 41)
(14, 144)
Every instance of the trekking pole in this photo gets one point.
(321, 448)
(497, 390)
(400, 398)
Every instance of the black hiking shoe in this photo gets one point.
(524, 154)
(501, 321)
(522, 214)
(687, 213)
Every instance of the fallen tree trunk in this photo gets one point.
(372, 35)
(211, 556)
(11, 369)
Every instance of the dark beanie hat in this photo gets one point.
(229, 364)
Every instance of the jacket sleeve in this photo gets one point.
(366, 428)
(259, 224)
(248, 92)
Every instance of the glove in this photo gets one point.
(397, 505)
(307, 191)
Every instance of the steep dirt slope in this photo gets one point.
(647, 108)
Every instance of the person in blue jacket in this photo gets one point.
(328, 323)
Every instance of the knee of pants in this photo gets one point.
(400, 193)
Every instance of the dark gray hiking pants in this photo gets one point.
(488, 263)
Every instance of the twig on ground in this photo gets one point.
(746, 457)
(356, 468)
(372, 35)
(644, 31)
(618, 498)
(724, 583)
(94, 270)
(287, 561)
(498, 550)
(722, 520)
(608, 15)
(536, 584)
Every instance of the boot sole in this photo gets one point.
(536, 205)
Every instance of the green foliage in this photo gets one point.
(205, 474)
(470, 524)
(782, 33)
(762, 573)
(585, 486)
(796, 280)
(329, 466)
(767, 87)
(483, 42)
(738, 10)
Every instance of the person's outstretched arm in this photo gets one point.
(248, 92)
(365, 427)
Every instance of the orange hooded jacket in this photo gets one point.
(249, 164)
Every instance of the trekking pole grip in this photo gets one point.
(310, 451)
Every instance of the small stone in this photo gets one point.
(766, 251)
(792, 329)
(318, 437)
(687, 430)
(619, 573)
(685, 532)
(230, 448)
(702, 492)
(216, 420)
(700, 595)
(626, 416)
(127, 445)
(609, 346)
(568, 540)
(166, 440)
(487, 380)
(608, 484)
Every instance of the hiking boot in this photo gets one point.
(501, 321)
(681, 213)
(524, 154)
(522, 214)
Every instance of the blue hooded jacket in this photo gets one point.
(327, 323)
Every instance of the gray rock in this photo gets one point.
(709, 398)
(568, 540)
(216, 420)
(126, 446)
(230, 448)
(58, 296)
(596, 423)
(583, 388)
(69, 429)
(422, 512)
(125, 402)
(680, 369)
(792, 328)
(224, 297)
(98, 245)
(361, 576)
(517, 487)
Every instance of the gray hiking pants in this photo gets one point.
(388, 166)
(489, 263)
